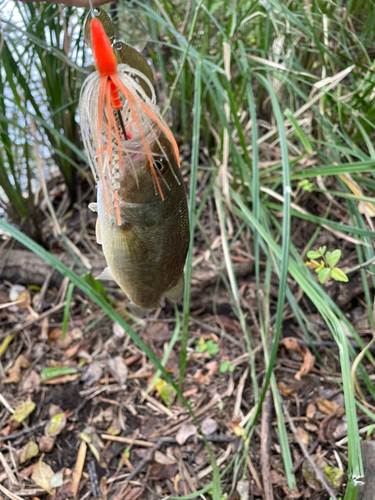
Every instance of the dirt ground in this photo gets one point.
(92, 428)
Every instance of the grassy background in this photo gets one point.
(243, 81)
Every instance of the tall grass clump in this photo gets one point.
(42, 68)
(281, 96)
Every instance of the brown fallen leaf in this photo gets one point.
(327, 428)
(308, 359)
(14, 373)
(92, 375)
(329, 407)
(185, 431)
(162, 471)
(31, 383)
(284, 389)
(208, 426)
(158, 333)
(303, 435)
(310, 410)
(65, 379)
(46, 444)
(119, 370)
(307, 365)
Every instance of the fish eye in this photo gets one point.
(158, 166)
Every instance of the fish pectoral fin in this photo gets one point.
(98, 232)
(106, 275)
(177, 291)
(141, 312)
(93, 207)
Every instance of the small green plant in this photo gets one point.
(326, 267)
(305, 185)
(210, 347)
(226, 366)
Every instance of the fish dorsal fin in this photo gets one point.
(106, 275)
(93, 207)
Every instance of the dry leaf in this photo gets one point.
(42, 475)
(308, 359)
(30, 450)
(307, 366)
(46, 444)
(119, 370)
(14, 373)
(56, 424)
(310, 410)
(117, 330)
(185, 431)
(292, 343)
(31, 383)
(24, 300)
(284, 389)
(57, 480)
(23, 410)
(54, 410)
(158, 333)
(163, 459)
(162, 471)
(303, 435)
(92, 374)
(208, 426)
(329, 407)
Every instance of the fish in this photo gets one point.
(143, 222)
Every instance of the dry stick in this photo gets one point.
(41, 316)
(144, 462)
(212, 438)
(9, 494)
(78, 469)
(318, 473)
(25, 432)
(265, 443)
(91, 466)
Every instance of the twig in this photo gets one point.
(78, 469)
(25, 432)
(318, 473)
(144, 462)
(41, 316)
(265, 443)
(91, 466)
(6, 404)
(9, 494)
(212, 438)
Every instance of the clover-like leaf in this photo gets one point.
(212, 348)
(313, 254)
(322, 250)
(339, 275)
(333, 257)
(323, 275)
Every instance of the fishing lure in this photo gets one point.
(142, 223)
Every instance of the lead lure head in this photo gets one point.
(119, 120)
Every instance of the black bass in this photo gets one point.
(142, 223)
